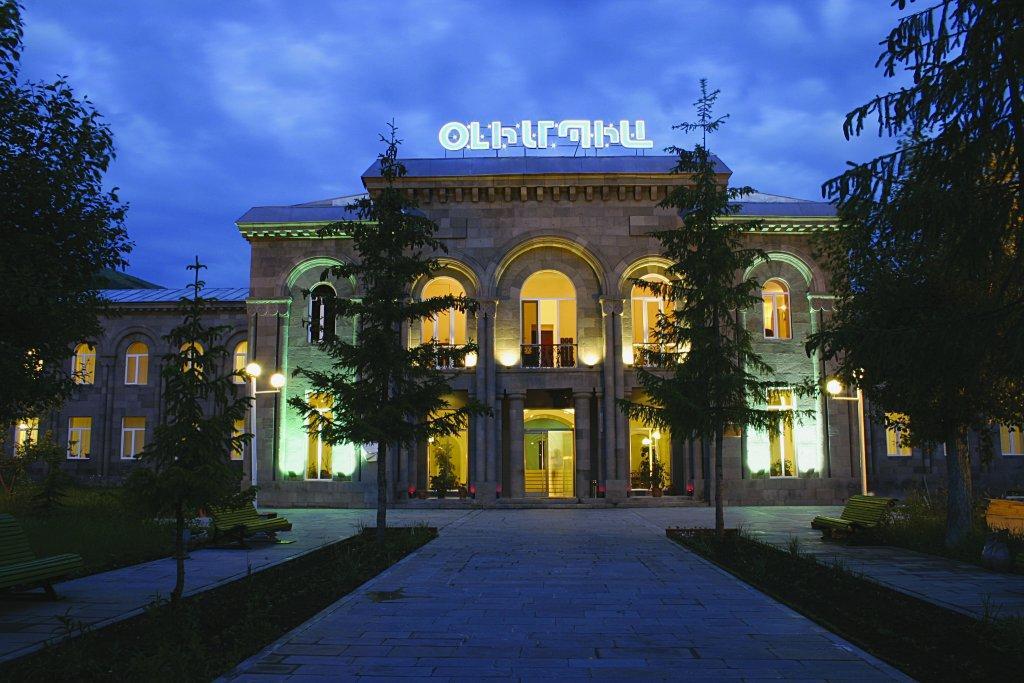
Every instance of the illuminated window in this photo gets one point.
(781, 446)
(650, 460)
(449, 326)
(322, 309)
(646, 307)
(192, 351)
(548, 302)
(26, 431)
(133, 437)
(84, 364)
(136, 364)
(79, 437)
(775, 303)
(237, 430)
(896, 436)
(240, 359)
(1011, 439)
(318, 451)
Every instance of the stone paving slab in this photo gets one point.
(27, 622)
(567, 594)
(955, 585)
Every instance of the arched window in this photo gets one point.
(548, 303)
(83, 365)
(449, 326)
(321, 313)
(192, 350)
(645, 310)
(782, 446)
(239, 360)
(775, 302)
(136, 364)
(319, 463)
(1011, 439)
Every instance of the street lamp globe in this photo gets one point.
(834, 386)
(277, 380)
(253, 369)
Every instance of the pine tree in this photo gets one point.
(702, 374)
(187, 465)
(929, 265)
(61, 228)
(384, 392)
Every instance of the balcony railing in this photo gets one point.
(445, 362)
(548, 355)
(639, 359)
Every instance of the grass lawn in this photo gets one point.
(209, 633)
(924, 640)
(94, 522)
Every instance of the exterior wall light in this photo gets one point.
(627, 356)
(509, 358)
(590, 359)
(471, 359)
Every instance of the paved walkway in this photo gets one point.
(566, 594)
(955, 585)
(26, 622)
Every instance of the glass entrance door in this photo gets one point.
(548, 454)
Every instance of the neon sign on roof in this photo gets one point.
(542, 134)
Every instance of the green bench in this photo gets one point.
(860, 514)
(21, 569)
(238, 524)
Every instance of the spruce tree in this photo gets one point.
(187, 465)
(703, 374)
(929, 265)
(383, 391)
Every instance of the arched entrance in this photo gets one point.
(549, 452)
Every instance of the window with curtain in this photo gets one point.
(136, 364)
(83, 364)
(775, 305)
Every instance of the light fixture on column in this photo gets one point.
(471, 359)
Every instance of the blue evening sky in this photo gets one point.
(219, 106)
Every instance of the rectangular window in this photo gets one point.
(84, 364)
(895, 438)
(240, 360)
(25, 431)
(318, 452)
(238, 430)
(133, 437)
(79, 437)
(782, 446)
(1011, 439)
(136, 364)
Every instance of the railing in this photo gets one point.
(548, 355)
(445, 362)
(639, 349)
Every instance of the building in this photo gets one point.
(548, 245)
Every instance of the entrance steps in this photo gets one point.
(550, 503)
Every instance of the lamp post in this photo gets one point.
(834, 387)
(277, 381)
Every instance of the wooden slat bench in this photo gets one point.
(238, 524)
(860, 514)
(1005, 514)
(21, 569)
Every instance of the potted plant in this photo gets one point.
(445, 479)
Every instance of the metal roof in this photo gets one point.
(138, 296)
(793, 209)
(538, 165)
(297, 214)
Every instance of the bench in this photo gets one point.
(1005, 514)
(238, 524)
(21, 569)
(861, 513)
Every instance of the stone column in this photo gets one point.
(611, 310)
(516, 404)
(487, 371)
(621, 422)
(581, 432)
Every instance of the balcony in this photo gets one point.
(548, 355)
(443, 361)
(640, 349)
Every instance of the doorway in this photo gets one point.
(549, 458)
